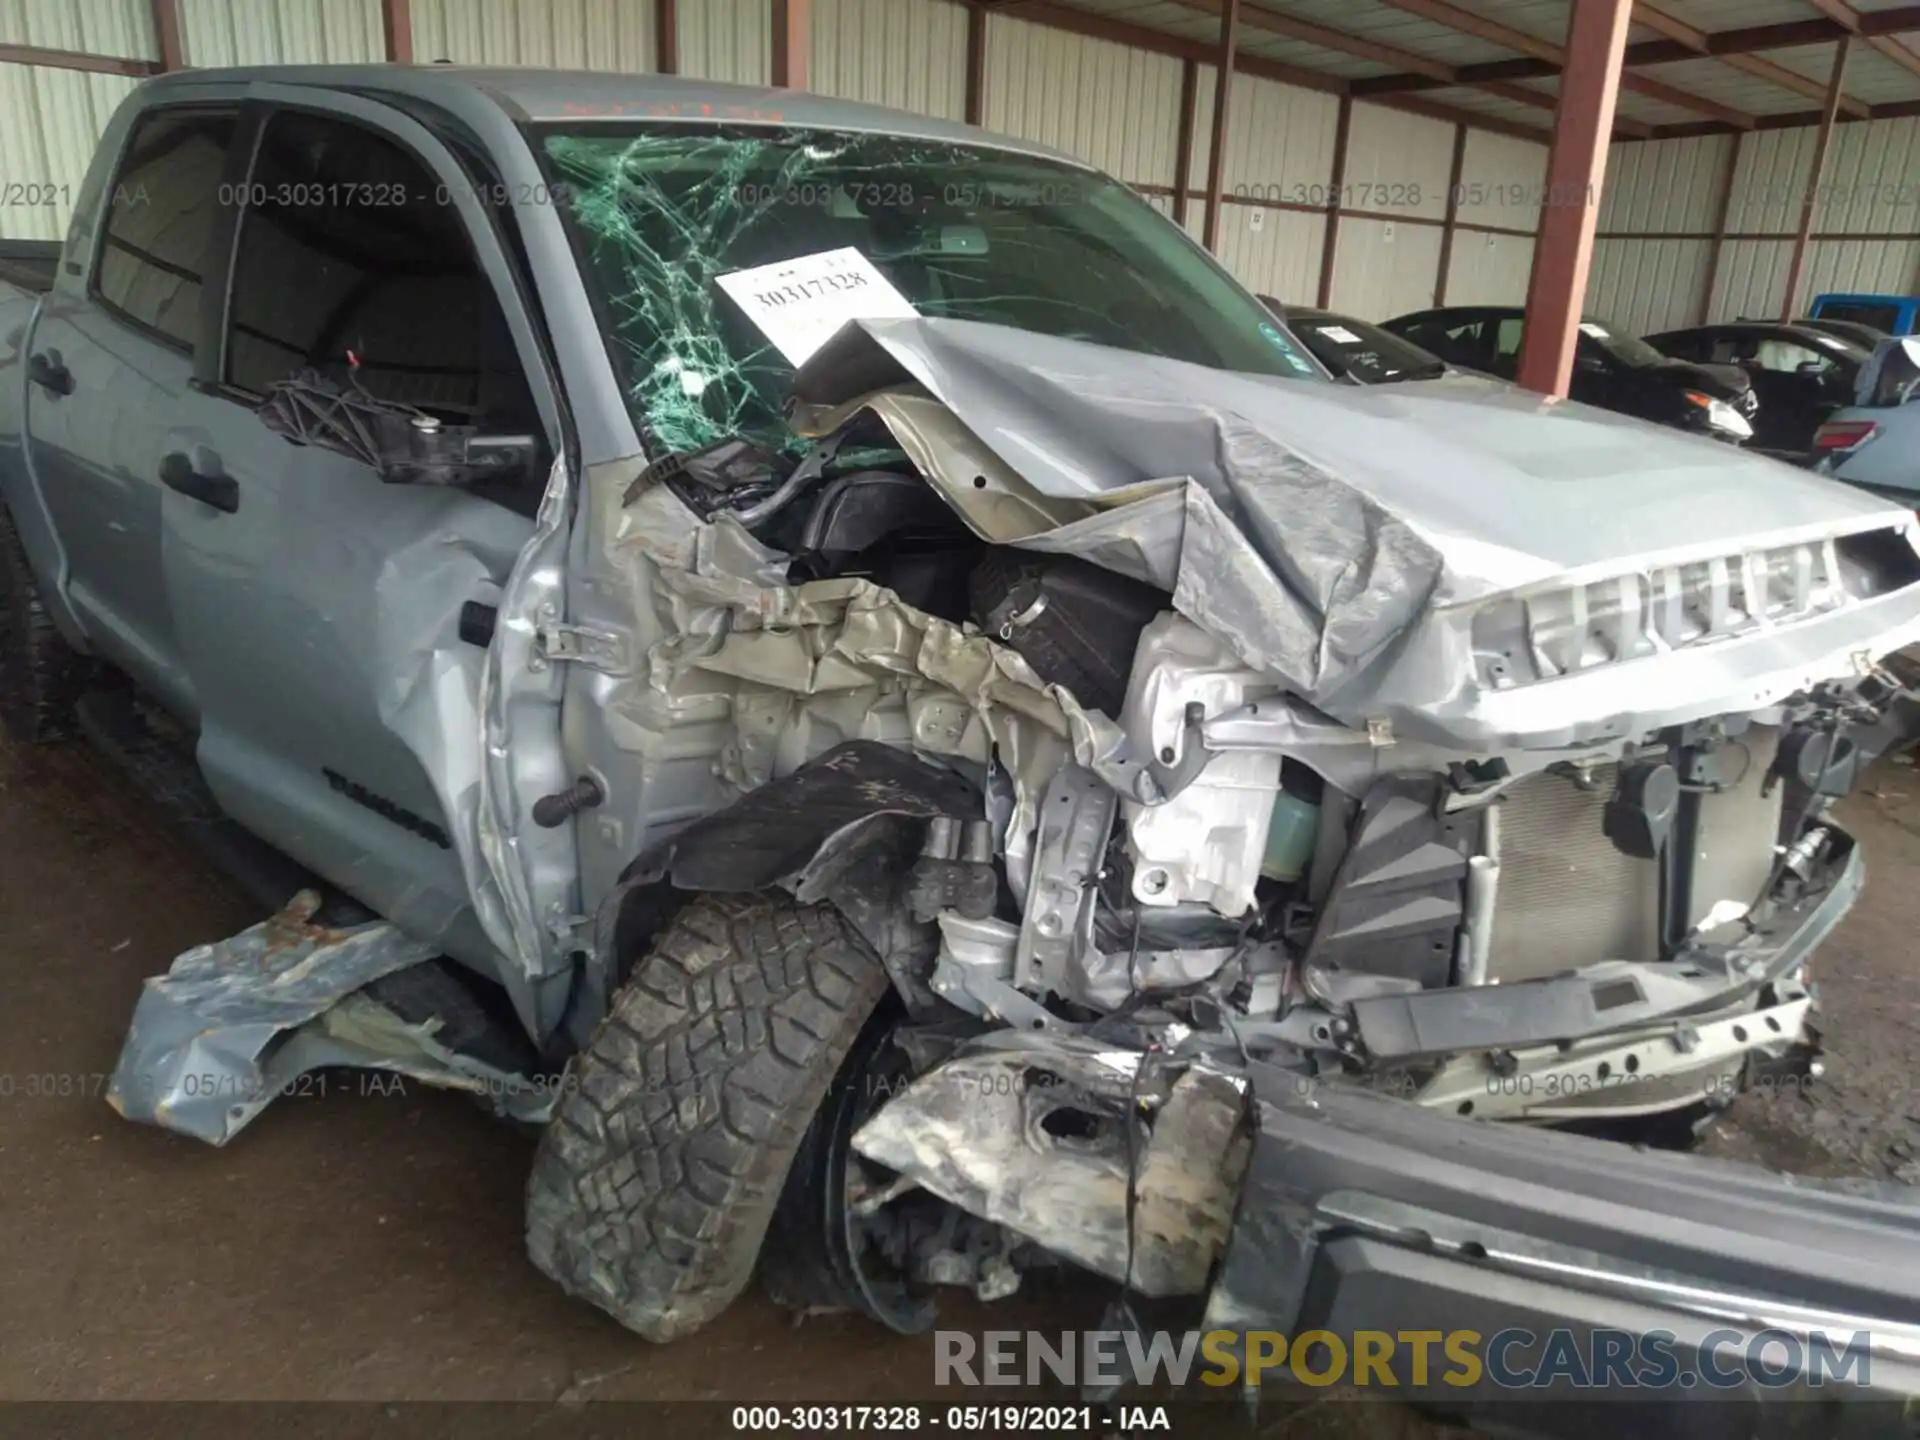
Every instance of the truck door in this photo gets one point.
(320, 609)
(112, 359)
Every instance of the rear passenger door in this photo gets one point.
(319, 607)
(115, 360)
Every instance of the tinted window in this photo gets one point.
(1450, 340)
(348, 259)
(1366, 352)
(159, 218)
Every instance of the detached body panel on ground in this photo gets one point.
(812, 617)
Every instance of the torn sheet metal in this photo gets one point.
(232, 1024)
(841, 659)
(1029, 1130)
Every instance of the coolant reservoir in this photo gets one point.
(1290, 837)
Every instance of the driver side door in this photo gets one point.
(319, 608)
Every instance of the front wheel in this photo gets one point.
(656, 1179)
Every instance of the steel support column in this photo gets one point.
(1183, 139)
(1222, 97)
(1451, 223)
(1822, 140)
(976, 66)
(166, 30)
(791, 35)
(666, 36)
(1576, 170)
(1330, 240)
(1722, 206)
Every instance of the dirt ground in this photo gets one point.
(368, 1246)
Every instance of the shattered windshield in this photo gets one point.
(662, 213)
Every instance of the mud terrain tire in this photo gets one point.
(41, 676)
(655, 1181)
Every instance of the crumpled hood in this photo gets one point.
(1315, 527)
(1511, 488)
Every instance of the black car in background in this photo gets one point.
(1353, 350)
(1611, 369)
(1802, 375)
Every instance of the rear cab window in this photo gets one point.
(160, 212)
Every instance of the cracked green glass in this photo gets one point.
(976, 234)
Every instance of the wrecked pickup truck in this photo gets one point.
(859, 679)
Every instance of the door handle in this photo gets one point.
(48, 372)
(177, 472)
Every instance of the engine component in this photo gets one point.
(1569, 896)
(1397, 903)
(1208, 841)
(1640, 815)
(707, 478)
(1029, 1131)
(1056, 936)
(1076, 624)
(1295, 825)
(1821, 762)
(954, 871)
(552, 811)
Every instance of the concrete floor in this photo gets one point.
(366, 1246)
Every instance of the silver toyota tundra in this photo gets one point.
(842, 666)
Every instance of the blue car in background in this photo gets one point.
(1890, 314)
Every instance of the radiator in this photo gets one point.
(1567, 897)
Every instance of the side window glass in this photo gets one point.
(1783, 357)
(350, 259)
(1504, 360)
(160, 215)
(1726, 350)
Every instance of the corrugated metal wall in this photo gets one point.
(1383, 268)
(729, 40)
(1663, 188)
(1489, 269)
(910, 54)
(571, 34)
(1112, 105)
(283, 32)
(50, 119)
(1280, 143)
(1659, 210)
(1398, 165)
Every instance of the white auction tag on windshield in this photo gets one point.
(799, 304)
(1339, 334)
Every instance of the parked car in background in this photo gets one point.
(1865, 336)
(1894, 314)
(1611, 368)
(1875, 442)
(1353, 350)
(1801, 375)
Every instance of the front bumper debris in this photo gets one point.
(1361, 1213)
(234, 1024)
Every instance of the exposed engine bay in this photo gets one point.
(1134, 788)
